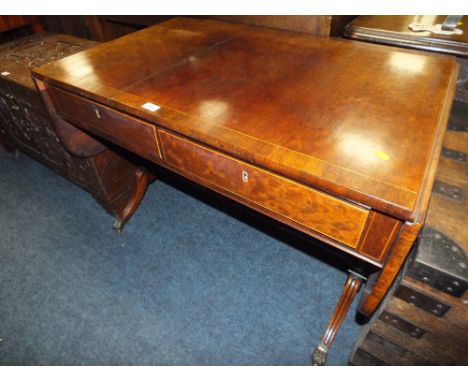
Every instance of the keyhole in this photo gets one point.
(245, 176)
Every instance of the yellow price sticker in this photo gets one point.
(382, 155)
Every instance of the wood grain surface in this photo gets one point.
(312, 112)
(337, 219)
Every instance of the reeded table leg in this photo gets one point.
(352, 285)
(142, 179)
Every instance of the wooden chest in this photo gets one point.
(462, 85)
(26, 126)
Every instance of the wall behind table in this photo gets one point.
(105, 28)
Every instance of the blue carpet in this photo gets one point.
(189, 282)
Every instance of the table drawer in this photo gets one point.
(283, 198)
(131, 133)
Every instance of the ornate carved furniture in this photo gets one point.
(335, 138)
(115, 182)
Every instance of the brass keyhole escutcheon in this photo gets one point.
(245, 176)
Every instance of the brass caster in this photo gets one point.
(118, 225)
(319, 357)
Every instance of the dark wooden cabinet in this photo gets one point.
(323, 25)
(25, 125)
(8, 23)
(108, 27)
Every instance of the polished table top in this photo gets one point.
(359, 121)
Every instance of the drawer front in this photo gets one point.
(285, 199)
(130, 133)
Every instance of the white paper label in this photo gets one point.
(150, 106)
(5, 73)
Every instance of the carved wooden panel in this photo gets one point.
(24, 122)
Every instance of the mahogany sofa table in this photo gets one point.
(338, 139)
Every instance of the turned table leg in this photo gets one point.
(142, 179)
(351, 287)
